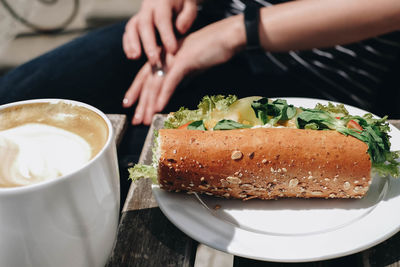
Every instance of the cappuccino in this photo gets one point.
(67, 221)
(41, 141)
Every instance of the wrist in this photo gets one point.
(237, 33)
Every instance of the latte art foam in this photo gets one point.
(35, 152)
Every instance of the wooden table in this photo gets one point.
(147, 238)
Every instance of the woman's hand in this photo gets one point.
(157, 15)
(212, 45)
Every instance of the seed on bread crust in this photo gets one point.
(236, 155)
(233, 180)
(346, 186)
(316, 193)
(293, 182)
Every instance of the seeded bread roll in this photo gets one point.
(265, 163)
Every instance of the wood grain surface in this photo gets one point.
(140, 195)
(119, 124)
(147, 238)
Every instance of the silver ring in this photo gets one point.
(159, 71)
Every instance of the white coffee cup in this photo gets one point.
(71, 220)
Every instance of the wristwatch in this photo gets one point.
(251, 20)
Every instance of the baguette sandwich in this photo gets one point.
(260, 148)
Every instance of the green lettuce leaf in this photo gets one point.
(338, 110)
(140, 171)
(204, 108)
(154, 149)
(220, 102)
(390, 166)
(181, 117)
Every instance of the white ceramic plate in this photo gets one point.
(290, 230)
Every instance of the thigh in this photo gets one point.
(92, 69)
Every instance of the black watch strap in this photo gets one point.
(251, 20)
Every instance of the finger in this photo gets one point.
(171, 81)
(125, 45)
(132, 94)
(186, 17)
(154, 86)
(141, 107)
(163, 21)
(148, 37)
(130, 49)
(132, 46)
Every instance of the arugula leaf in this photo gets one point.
(197, 125)
(286, 111)
(317, 120)
(262, 109)
(277, 111)
(229, 125)
(140, 171)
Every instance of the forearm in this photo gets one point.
(309, 24)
